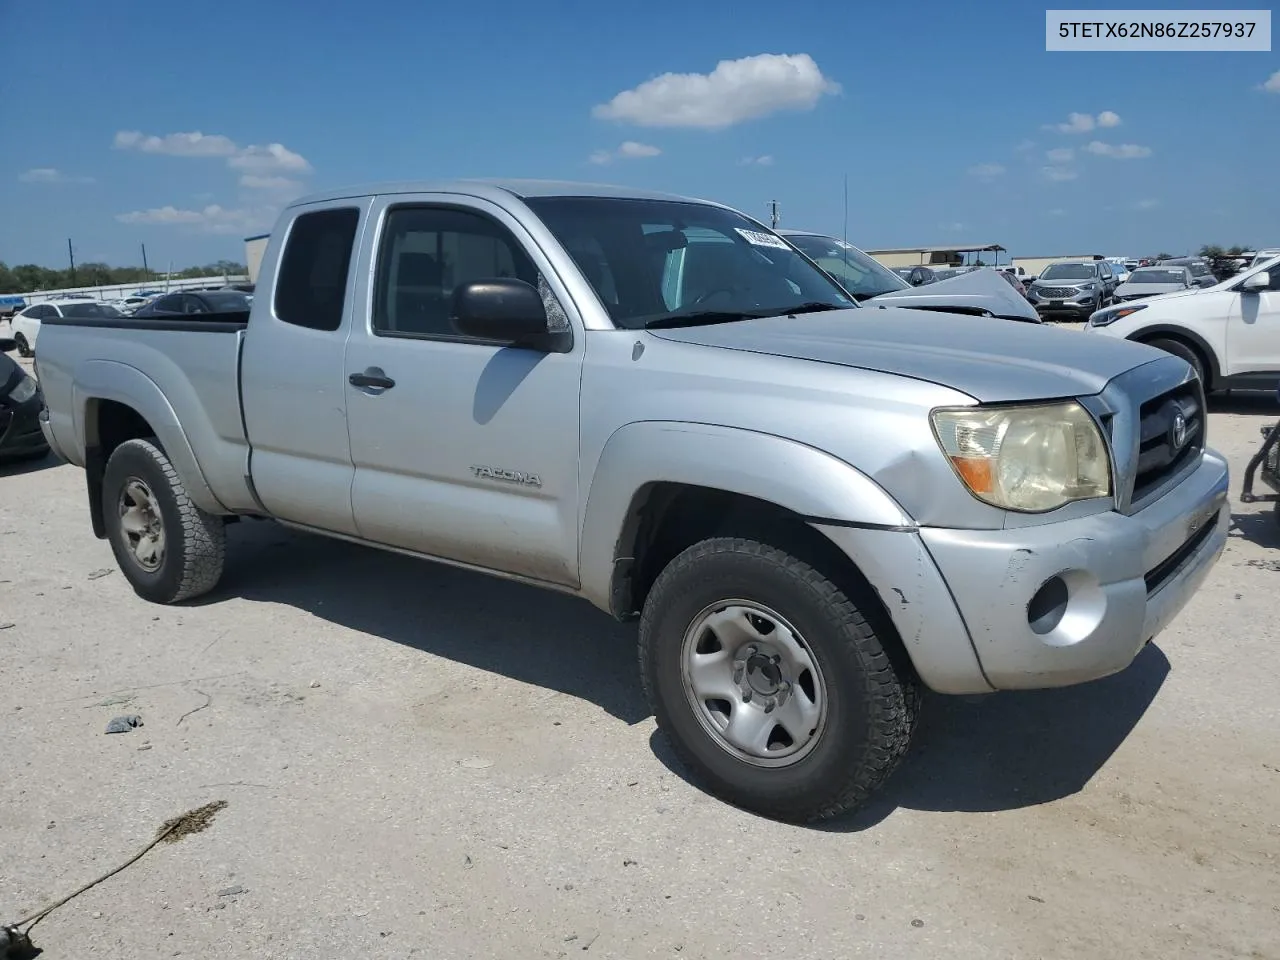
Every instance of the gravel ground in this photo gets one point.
(422, 762)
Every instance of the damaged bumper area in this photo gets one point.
(1044, 606)
(1069, 602)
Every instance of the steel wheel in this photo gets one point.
(142, 524)
(753, 683)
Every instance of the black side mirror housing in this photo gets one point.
(506, 309)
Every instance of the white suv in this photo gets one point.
(1229, 332)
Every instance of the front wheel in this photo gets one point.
(770, 684)
(1180, 349)
(167, 547)
(24, 348)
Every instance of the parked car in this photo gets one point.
(1263, 256)
(188, 303)
(26, 325)
(1201, 273)
(1153, 281)
(1230, 334)
(917, 276)
(1072, 289)
(659, 405)
(1013, 281)
(20, 435)
(1265, 465)
(874, 285)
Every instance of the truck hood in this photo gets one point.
(976, 291)
(991, 360)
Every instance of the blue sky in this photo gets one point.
(184, 126)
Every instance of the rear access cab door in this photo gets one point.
(292, 381)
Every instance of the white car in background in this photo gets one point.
(26, 324)
(1230, 332)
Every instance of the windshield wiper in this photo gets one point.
(700, 317)
(812, 306)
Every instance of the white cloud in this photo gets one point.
(1076, 123)
(765, 160)
(51, 175)
(1060, 155)
(1058, 174)
(195, 144)
(262, 160)
(210, 219)
(1146, 204)
(1122, 151)
(273, 158)
(1107, 118)
(1024, 146)
(735, 91)
(986, 171)
(627, 150)
(1272, 85)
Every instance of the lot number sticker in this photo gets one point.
(758, 239)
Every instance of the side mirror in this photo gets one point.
(505, 309)
(1257, 283)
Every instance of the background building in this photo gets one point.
(952, 255)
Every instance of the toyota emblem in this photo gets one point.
(1178, 431)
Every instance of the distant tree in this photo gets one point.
(29, 278)
(1164, 256)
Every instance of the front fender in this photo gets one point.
(807, 481)
(97, 380)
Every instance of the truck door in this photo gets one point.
(293, 388)
(464, 449)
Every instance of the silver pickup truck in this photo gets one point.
(658, 404)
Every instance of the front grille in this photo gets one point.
(1160, 456)
(1057, 293)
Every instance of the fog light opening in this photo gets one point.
(1048, 606)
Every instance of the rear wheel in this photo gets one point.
(770, 684)
(167, 547)
(1186, 352)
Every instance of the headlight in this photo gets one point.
(1031, 459)
(24, 391)
(1111, 315)
(1086, 287)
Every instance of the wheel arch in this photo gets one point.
(1167, 331)
(113, 403)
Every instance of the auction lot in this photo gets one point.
(422, 762)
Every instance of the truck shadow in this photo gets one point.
(978, 754)
(1006, 751)
(535, 636)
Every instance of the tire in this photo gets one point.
(24, 348)
(1187, 353)
(865, 707)
(142, 496)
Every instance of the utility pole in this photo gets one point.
(72, 257)
(146, 271)
(773, 214)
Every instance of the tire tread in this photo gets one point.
(893, 700)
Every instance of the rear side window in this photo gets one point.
(312, 282)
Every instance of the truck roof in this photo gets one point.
(491, 187)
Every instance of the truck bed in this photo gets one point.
(191, 380)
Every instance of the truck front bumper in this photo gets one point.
(1050, 605)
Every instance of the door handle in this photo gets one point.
(371, 378)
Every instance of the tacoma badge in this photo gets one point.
(507, 476)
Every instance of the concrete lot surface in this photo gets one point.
(419, 762)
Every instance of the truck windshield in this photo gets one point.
(667, 263)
